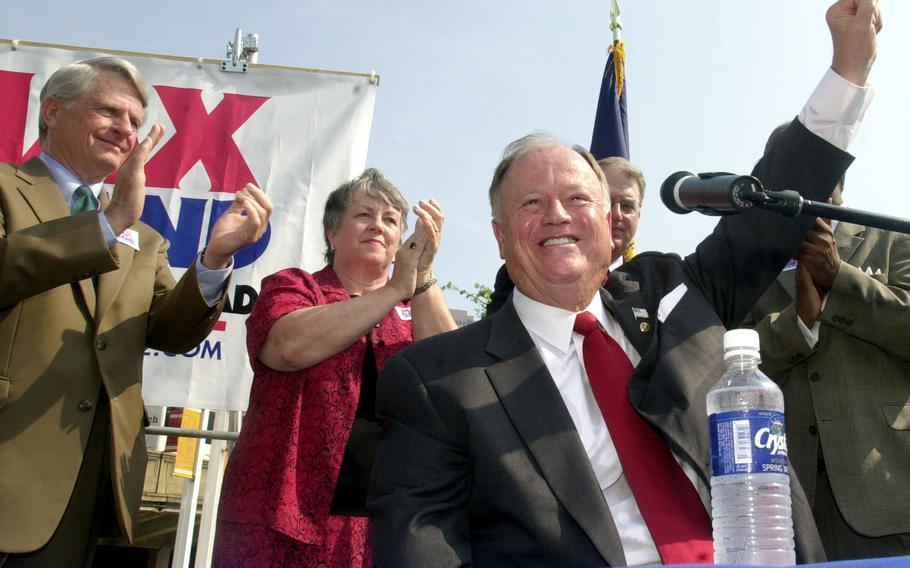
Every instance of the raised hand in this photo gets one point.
(818, 254)
(129, 191)
(414, 261)
(430, 218)
(818, 263)
(404, 269)
(808, 297)
(854, 25)
(244, 223)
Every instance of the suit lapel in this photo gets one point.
(848, 238)
(662, 398)
(624, 301)
(109, 283)
(45, 200)
(40, 191)
(530, 398)
(787, 281)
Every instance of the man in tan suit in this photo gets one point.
(83, 295)
(833, 330)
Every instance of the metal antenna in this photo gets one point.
(241, 52)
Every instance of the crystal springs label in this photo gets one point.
(753, 441)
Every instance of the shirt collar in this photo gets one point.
(551, 324)
(67, 180)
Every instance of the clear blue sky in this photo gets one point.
(707, 82)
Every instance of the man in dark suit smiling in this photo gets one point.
(502, 448)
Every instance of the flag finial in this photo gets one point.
(615, 23)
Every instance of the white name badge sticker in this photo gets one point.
(130, 238)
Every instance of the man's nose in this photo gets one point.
(556, 213)
(124, 125)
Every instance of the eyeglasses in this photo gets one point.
(626, 207)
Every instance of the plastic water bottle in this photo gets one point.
(750, 488)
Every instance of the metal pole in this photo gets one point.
(238, 46)
(217, 458)
(191, 433)
(186, 522)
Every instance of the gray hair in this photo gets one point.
(627, 169)
(371, 183)
(528, 143)
(75, 79)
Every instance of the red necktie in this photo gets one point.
(666, 498)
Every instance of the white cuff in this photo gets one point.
(835, 109)
(811, 335)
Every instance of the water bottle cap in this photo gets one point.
(740, 342)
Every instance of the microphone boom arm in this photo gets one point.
(790, 204)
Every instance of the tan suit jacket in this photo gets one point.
(60, 344)
(851, 393)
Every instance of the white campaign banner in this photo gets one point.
(296, 133)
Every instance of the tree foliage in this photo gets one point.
(480, 297)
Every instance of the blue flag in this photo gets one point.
(611, 126)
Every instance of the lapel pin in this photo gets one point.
(642, 314)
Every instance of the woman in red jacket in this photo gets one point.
(295, 487)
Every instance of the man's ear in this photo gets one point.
(50, 111)
(500, 235)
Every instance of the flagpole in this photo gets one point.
(615, 23)
(610, 136)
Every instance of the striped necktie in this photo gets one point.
(83, 200)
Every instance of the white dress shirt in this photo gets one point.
(211, 282)
(833, 112)
(561, 349)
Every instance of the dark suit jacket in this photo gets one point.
(482, 463)
(60, 343)
(851, 393)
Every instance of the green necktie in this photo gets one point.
(83, 200)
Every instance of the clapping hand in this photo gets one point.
(129, 191)
(818, 263)
(241, 225)
(414, 261)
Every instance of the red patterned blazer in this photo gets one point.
(283, 470)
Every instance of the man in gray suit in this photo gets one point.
(834, 332)
(496, 452)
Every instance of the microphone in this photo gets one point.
(717, 193)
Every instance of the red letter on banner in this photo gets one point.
(14, 89)
(203, 136)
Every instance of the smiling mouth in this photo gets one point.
(558, 241)
(113, 145)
